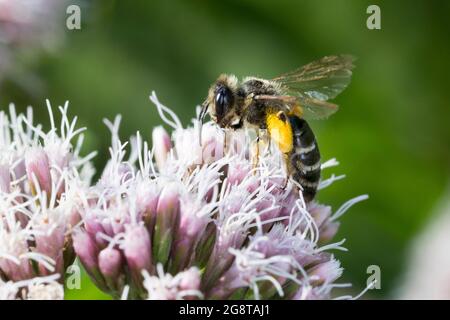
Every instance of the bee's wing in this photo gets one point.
(317, 109)
(310, 108)
(317, 82)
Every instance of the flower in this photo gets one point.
(39, 288)
(185, 285)
(203, 221)
(40, 175)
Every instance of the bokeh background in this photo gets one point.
(391, 134)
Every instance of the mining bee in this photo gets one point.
(280, 106)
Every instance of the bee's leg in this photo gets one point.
(224, 142)
(263, 141)
(268, 146)
(255, 151)
(288, 173)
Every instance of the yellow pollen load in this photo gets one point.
(280, 132)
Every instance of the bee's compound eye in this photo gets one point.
(224, 99)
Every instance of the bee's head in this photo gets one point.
(221, 104)
(221, 101)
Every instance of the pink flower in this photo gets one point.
(204, 222)
(40, 175)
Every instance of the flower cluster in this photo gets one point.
(194, 217)
(40, 173)
(204, 221)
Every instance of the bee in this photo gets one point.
(281, 106)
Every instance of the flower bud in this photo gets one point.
(161, 145)
(50, 242)
(137, 250)
(87, 252)
(110, 263)
(147, 195)
(94, 228)
(319, 213)
(328, 231)
(38, 170)
(188, 234)
(16, 272)
(167, 213)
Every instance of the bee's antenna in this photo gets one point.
(201, 118)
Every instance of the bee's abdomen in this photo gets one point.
(304, 158)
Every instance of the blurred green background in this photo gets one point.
(391, 134)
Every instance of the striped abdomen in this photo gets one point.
(304, 159)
